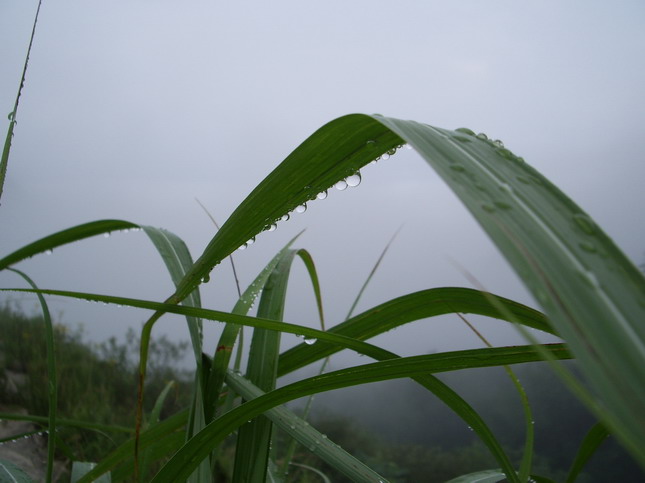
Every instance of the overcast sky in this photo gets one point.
(132, 110)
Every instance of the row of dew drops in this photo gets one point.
(352, 180)
(107, 234)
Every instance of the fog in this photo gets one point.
(132, 110)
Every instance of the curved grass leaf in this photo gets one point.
(195, 450)
(51, 376)
(226, 342)
(593, 439)
(64, 237)
(63, 422)
(4, 160)
(411, 307)
(485, 476)
(305, 434)
(123, 455)
(254, 438)
(10, 472)
(591, 292)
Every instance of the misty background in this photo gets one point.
(132, 110)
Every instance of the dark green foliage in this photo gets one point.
(97, 382)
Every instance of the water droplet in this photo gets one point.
(106, 235)
(301, 208)
(506, 188)
(242, 247)
(322, 195)
(588, 246)
(250, 241)
(585, 223)
(457, 167)
(371, 144)
(506, 154)
(341, 185)
(206, 278)
(499, 143)
(391, 152)
(487, 207)
(310, 340)
(482, 136)
(48, 252)
(10, 116)
(503, 205)
(408, 147)
(272, 227)
(465, 130)
(285, 217)
(354, 179)
(462, 139)
(385, 156)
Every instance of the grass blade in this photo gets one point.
(411, 307)
(51, 375)
(254, 438)
(306, 435)
(65, 237)
(183, 462)
(591, 292)
(4, 161)
(224, 350)
(594, 438)
(11, 473)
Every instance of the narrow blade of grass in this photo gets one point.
(593, 439)
(183, 462)
(306, 435)
(64, 237)
(51, 376)
(254, 438)
(224, 350)
(4, 161)
(591, 292)
(11, 472)
(123, 455)
(411, 307)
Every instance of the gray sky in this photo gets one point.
(132, 109)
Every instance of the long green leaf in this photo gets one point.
(305, 434)
(224, 350)
(195, 450)
(593, 439)
(591, 292)
(411, 307)
(254, 439)
(123, 455)
(52, 379)
(4, 160)
(64, 237)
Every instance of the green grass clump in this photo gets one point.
(590, 293)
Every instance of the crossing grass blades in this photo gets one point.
(590, 293)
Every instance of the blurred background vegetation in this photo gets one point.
(425, 442)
